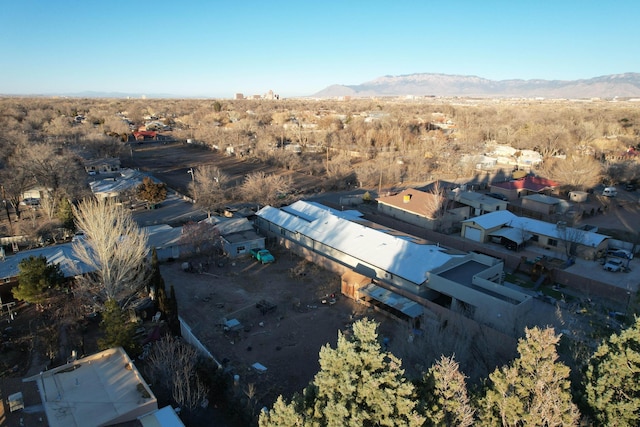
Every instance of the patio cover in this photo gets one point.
(404, 305)
(513, 234)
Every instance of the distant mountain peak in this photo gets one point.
(436, 84)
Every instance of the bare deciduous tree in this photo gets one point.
(114, 248)
(579, 172)
(570, 238)
(200, 237)
(435, 204)
(172, 366)
(265, 189)
(208, 187)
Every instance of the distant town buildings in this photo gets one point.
(269, 95)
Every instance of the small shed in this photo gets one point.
(578, 196)
(541, 203)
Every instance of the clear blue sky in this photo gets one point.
(217, 48)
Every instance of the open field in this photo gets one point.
(170, 163)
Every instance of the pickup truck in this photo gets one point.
(262, 255)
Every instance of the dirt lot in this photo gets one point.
(170, 163)
(287, 339)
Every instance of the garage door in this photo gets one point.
(473, 234)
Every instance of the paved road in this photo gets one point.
(175, 211)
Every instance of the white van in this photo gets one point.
(610, 192)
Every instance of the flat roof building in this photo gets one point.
(98, 390)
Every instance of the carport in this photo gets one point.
(391, 302)
(511, 238)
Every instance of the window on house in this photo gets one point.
(283, 231)
(240, 250)
(534, 238)
(552, 242)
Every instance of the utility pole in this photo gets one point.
(6, 208)
(193, 180)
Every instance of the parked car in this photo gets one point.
(630, 187)
(498, 196)
(610, 192)
(262, 255)
(30, 201)
(78, 236)
(620, 253)
(613, 265)
(512, 246)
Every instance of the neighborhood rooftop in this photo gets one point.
(533, 226)
(103, 389)
(396, 254)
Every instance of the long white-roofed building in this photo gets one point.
(406, 266)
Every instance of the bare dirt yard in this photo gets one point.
(283, 321)
(170, 162)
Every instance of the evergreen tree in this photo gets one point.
(151, 192)
(118, 331)
(358, 385)
(444, 397)
(156, 281)
(534, 389)
(282, 414)
(172, 313)
(35, 277)
(65, 214)
(613, 379)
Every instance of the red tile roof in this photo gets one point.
(531, 183)
(145, 133)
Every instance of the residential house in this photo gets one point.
(163, 237)
(119, 187)
(517, 188)
(478, 203)
(36, 193)
(107, 165)
(62, 254)
(578, 196)
(528, 158)
(515, 231)
(399, 265)
(424, 209)
(237, 234)
(98, 390)
(507, 155)
(166, 240)
(544, 204)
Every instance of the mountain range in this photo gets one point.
(430, 84)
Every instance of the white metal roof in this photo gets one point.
(534, 226)
(62, 254)
(160, 236)
(404, 305)
(163, 236)
(395, 254)
(513, 234)
(164, 417)
(492, 219)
